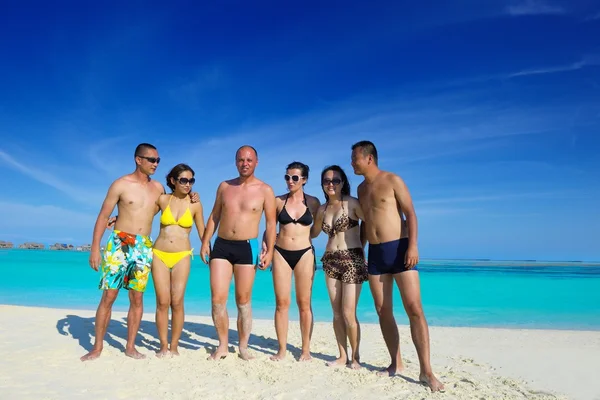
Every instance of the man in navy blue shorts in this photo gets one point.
(392, 256)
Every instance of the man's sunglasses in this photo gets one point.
(294, 178)
(335, 181)
(185, 181)
(151, 160)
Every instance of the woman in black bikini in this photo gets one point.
(294, 254)
(344, 260)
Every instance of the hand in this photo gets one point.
(205, 253)
(95, 259)
(110, 224)
(412, 257)
(264, 250)
(265, 259)
(194, 197)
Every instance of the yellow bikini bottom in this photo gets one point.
(170, 259)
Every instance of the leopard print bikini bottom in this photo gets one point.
(347, 266)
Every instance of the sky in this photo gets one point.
(489, 111)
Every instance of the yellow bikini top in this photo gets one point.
(185, 221)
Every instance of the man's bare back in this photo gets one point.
(242, 206)
(137, 204)
(380, 203)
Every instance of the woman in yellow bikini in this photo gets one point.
(172, 251)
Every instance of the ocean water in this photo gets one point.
(512, 294)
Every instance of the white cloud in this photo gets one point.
(45, 177)
(534, 7)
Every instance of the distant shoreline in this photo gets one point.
(522, 263)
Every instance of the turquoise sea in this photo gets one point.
(513, 294)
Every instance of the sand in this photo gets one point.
(40, 350)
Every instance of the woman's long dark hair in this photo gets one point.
(345, 183)
(175, 172)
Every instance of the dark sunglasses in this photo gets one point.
(151, 160)
(335, 181)
(295, 178)
(185, 181)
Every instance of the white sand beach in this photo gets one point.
(41, 347)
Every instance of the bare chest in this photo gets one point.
(139, 198)
(246, 200)
(376, 197)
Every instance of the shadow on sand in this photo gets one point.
(82, 330)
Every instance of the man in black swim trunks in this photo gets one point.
(237, 211)
(392, 256)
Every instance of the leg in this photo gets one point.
(103, 314)
(381, 288)
(408, 283)
(220, 279)
(134, 317)
(350, 296)
(304, 274)
(282, 282)
(179, 279)
(334, 287)
(244, 279)
(162, 285)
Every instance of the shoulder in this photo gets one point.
(225, 184)
(321, 208)
(159, 186)
(313, 199)
(266, 188)
(352, 201)
(162, 199)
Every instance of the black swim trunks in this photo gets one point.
(388, 257)
(236, 251)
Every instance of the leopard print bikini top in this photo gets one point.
(342, 224)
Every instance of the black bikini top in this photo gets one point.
(342, 224)
(284, 217)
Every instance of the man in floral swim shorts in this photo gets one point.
(128, 254)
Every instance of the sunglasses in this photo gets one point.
(151, 160)
(185, 181)
(294, 178)
(335, 181)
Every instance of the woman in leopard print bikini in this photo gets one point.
(343, 261)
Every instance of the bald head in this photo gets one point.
(246, 147)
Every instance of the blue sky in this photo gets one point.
(488, 110)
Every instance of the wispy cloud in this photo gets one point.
(590, 60)
(46, 178)
(534, 7)
(593, 17)
(491, 197)
(198, 90)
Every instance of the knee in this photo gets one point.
(242, 300)
(349, 316)
(136, 301)
(108, 299)
(283, 304)
(414, 310)
(177, 304)
(384, 310)
(163, 304)
(303, 305)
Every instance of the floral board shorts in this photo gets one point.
(127, 261)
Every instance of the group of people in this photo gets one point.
(382, 215)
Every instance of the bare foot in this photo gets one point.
(174, 351)
(337, 362)
(392, 370)
(432, 382)
(305, 356)
(219, 354)
(278, 357)
(355, 364)
(245, 354)
(162, 353)
(92, 355)
(133, 353)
